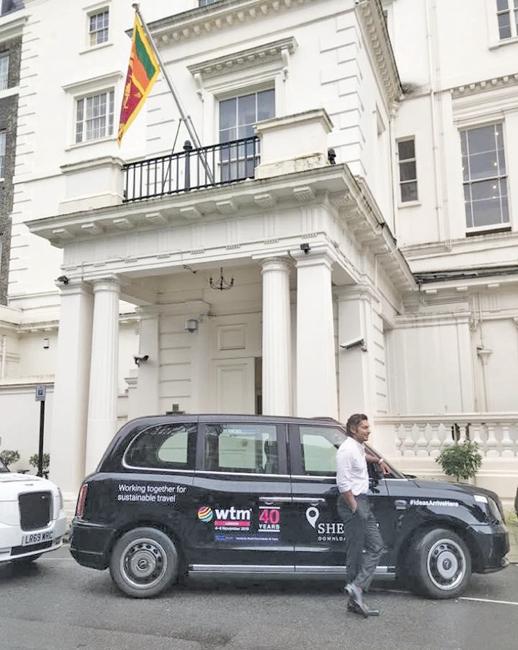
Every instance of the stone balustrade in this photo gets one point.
(426, 435)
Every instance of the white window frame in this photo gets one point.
(3, 149)
(512, 10)
(110, 99)
(4, 56)
(95, 33)
(502, 225)
(92, 10)
(401, 203)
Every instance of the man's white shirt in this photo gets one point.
(351, 467)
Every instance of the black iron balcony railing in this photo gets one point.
(191, 169)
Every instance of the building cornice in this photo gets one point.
(334, 183)
(484, 85)
(244, 58)
(217, 16)
(372, 21)
(12, 24)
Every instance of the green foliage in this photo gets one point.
(9, 456)
(460, 460)
(33, 460)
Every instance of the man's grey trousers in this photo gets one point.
(360, 532)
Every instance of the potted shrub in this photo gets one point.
(9, 456)
(460, 460)
(34, 459)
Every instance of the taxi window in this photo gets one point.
(166, 446)
(243, 448)
(319, 446)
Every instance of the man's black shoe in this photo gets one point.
(357, 608)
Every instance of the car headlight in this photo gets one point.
(490, 507)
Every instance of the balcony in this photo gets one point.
(191, 169)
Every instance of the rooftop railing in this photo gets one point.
(191, 169)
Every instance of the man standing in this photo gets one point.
(360, 527)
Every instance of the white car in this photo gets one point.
(32, 519)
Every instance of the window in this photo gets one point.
(485, 176)
(4, 71)
(168, 446)
(94, 116)
(237, 117)
(407, 170)
(3, 139)
(507, 16)
(242, 448)
(319, 447)
(98, 27)
(204, 3)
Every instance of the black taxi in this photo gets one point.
(226, 494)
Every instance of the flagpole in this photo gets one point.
(186, 118)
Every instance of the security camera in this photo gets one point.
(140, 359)
(355, 343)
(63, 279)
(305, 248)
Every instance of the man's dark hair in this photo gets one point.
(354, 421)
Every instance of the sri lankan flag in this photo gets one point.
(143, 70)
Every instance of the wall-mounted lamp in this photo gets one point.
(46, 344)
(139, 359)
(355, 343)
(191, 325)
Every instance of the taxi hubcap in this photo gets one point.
(143, 563)
(446, 564)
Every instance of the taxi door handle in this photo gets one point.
(312, 500)
(275, 499)
(401, 504)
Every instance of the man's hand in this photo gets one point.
(384, 467)
(350, 500)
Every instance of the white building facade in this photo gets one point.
(352, 249)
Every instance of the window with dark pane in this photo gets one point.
(98, 27)
(407, 170)
(507, 17)
(167, 446)
(237, 117)
(485, 176)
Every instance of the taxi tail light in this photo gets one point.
(81, 500)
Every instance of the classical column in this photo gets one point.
(144, 398)
(102, 407)
(276, 337)
(316, 364)
(69, 416)
(354, 366)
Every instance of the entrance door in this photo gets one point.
(233, 385)
(318, 534)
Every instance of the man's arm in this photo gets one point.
(378, 461)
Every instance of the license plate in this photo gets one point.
(36, 538)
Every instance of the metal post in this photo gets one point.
(42, 428)
(187, 147)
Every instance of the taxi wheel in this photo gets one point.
(440, 565)
(144, 562)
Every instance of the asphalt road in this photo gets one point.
(56, 604)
